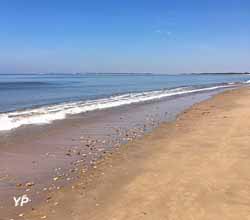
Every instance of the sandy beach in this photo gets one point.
(196, 167)
(125, 110)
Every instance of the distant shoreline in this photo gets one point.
(132, 73)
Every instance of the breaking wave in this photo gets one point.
(47, 114)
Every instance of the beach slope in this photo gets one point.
(194, 168)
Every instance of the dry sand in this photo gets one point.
(197, 167)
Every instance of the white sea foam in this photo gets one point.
(47, 114)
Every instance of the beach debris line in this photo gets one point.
(87, 155)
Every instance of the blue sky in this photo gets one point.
(124, 36)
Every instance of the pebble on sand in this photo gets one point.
(56, 178)
(29, 184)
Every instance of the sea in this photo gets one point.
(27, 99)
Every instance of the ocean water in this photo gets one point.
(42, 98)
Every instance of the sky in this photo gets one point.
(178, 36)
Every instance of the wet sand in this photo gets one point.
(192, 168)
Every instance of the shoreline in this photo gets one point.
(120, 153)
(49, 113)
